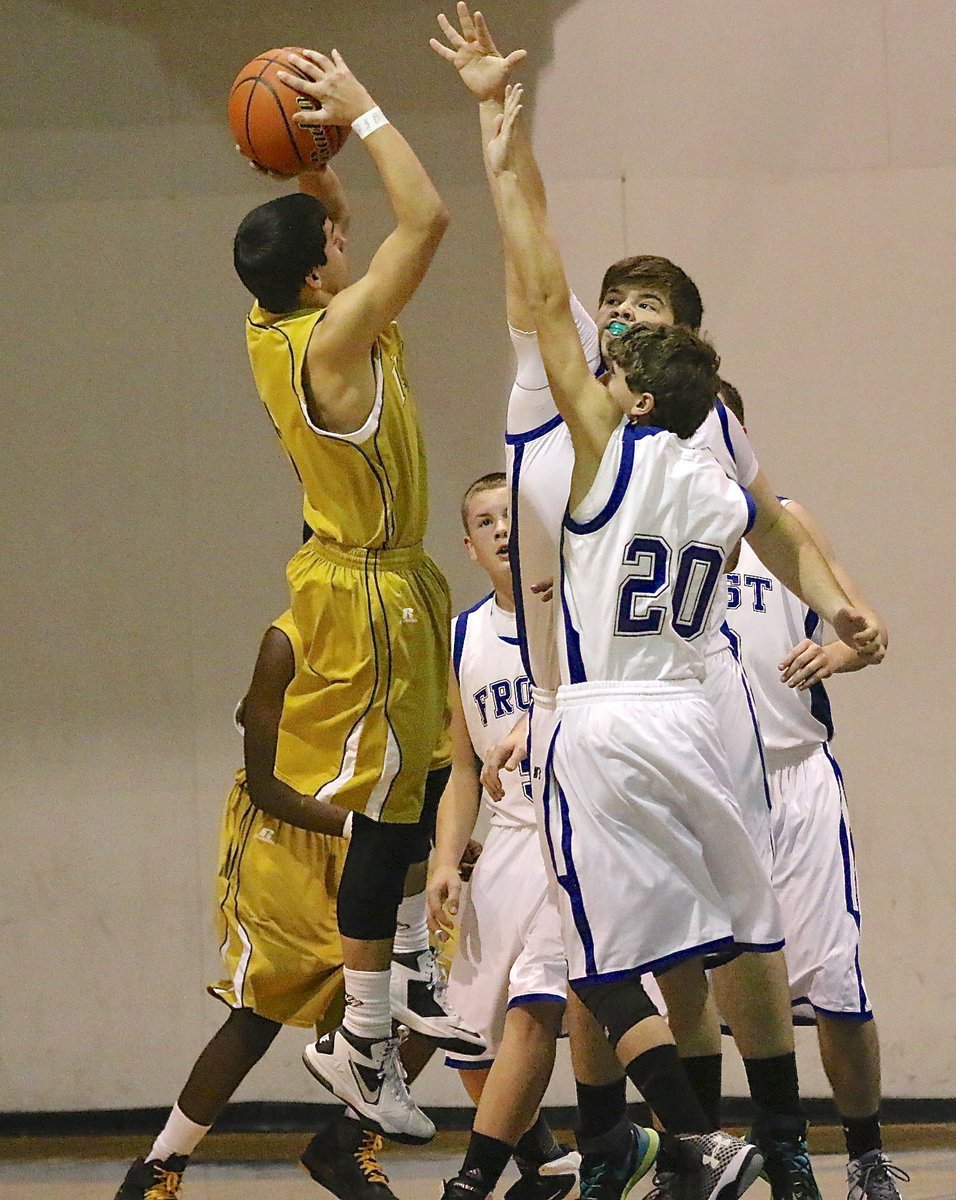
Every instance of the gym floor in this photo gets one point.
(248, 1168)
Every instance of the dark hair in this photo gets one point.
(732, 398)
(675, 285)
(486, 483)
(676, 366)
(277, 245)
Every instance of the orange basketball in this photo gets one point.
(260, 117)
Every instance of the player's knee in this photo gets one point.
(373, 879)
(617, 1006)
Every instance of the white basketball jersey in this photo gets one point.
(495, 692)
(540, 459)
(768, 621)
(643, 558)
(722, 434)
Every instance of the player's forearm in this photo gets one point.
(304, 812)
(530, 248)
(522, 156)
(412, 195)
(787, 551)
(325, 185)
(457, 816)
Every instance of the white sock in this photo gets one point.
(411, 932)
(368, 1010)
(179, 1136)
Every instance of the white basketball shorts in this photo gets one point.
(510, 950)
(814, 877)
(726, 687)
(644, 835)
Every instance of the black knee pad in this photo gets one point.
(616, 1006)
(424, 838)
(373, 878)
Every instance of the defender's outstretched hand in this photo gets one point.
(473, 54)
(497, 152)
(329, 81)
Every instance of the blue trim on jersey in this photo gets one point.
(858, 1017)
(850, 886)
(568, 880)
(629, 435)
(461, 626)
(509, 641)
(515, 560)
(572, 886)
(536, 998)
(572, 638)
(469, 1064)
(734, 641)
(725, 427)
(519, 439)
(657, 965)
(751, 510)
(819, 700)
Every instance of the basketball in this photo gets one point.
(261, 107)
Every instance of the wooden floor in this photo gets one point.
(414, 1175)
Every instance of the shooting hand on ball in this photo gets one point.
(473, 54)
(330, 84)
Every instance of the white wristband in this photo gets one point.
(368, 122)
(347, 827)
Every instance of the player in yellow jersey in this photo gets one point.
(280, 860)
(361, 718)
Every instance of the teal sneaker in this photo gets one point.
(603, 1180)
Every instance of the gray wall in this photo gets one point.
(797, 160)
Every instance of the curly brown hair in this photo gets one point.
(677, 367)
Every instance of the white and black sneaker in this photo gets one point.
(729, 1165)
(370, 1078)
(419, 999)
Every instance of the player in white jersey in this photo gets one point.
(509, 976)
(541, 450)
(636, 791)
(780, 643)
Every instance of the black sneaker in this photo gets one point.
(344, 1159)
(786, 1165)
(464, 1188)
(419, 996)
(154, 1180)
(602, 1180)
(533, 1186)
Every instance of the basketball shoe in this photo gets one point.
(602, 1179)
(154, 1180)
(871, 1177)
(786, 1164)
(370, 1078)
(419, 998)
(705, 1166)
(343, 1158)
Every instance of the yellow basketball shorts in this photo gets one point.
(365, 712)
(276, 890)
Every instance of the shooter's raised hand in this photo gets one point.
(328, 81)
(473, 54)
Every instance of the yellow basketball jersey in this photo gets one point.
(366, 489)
